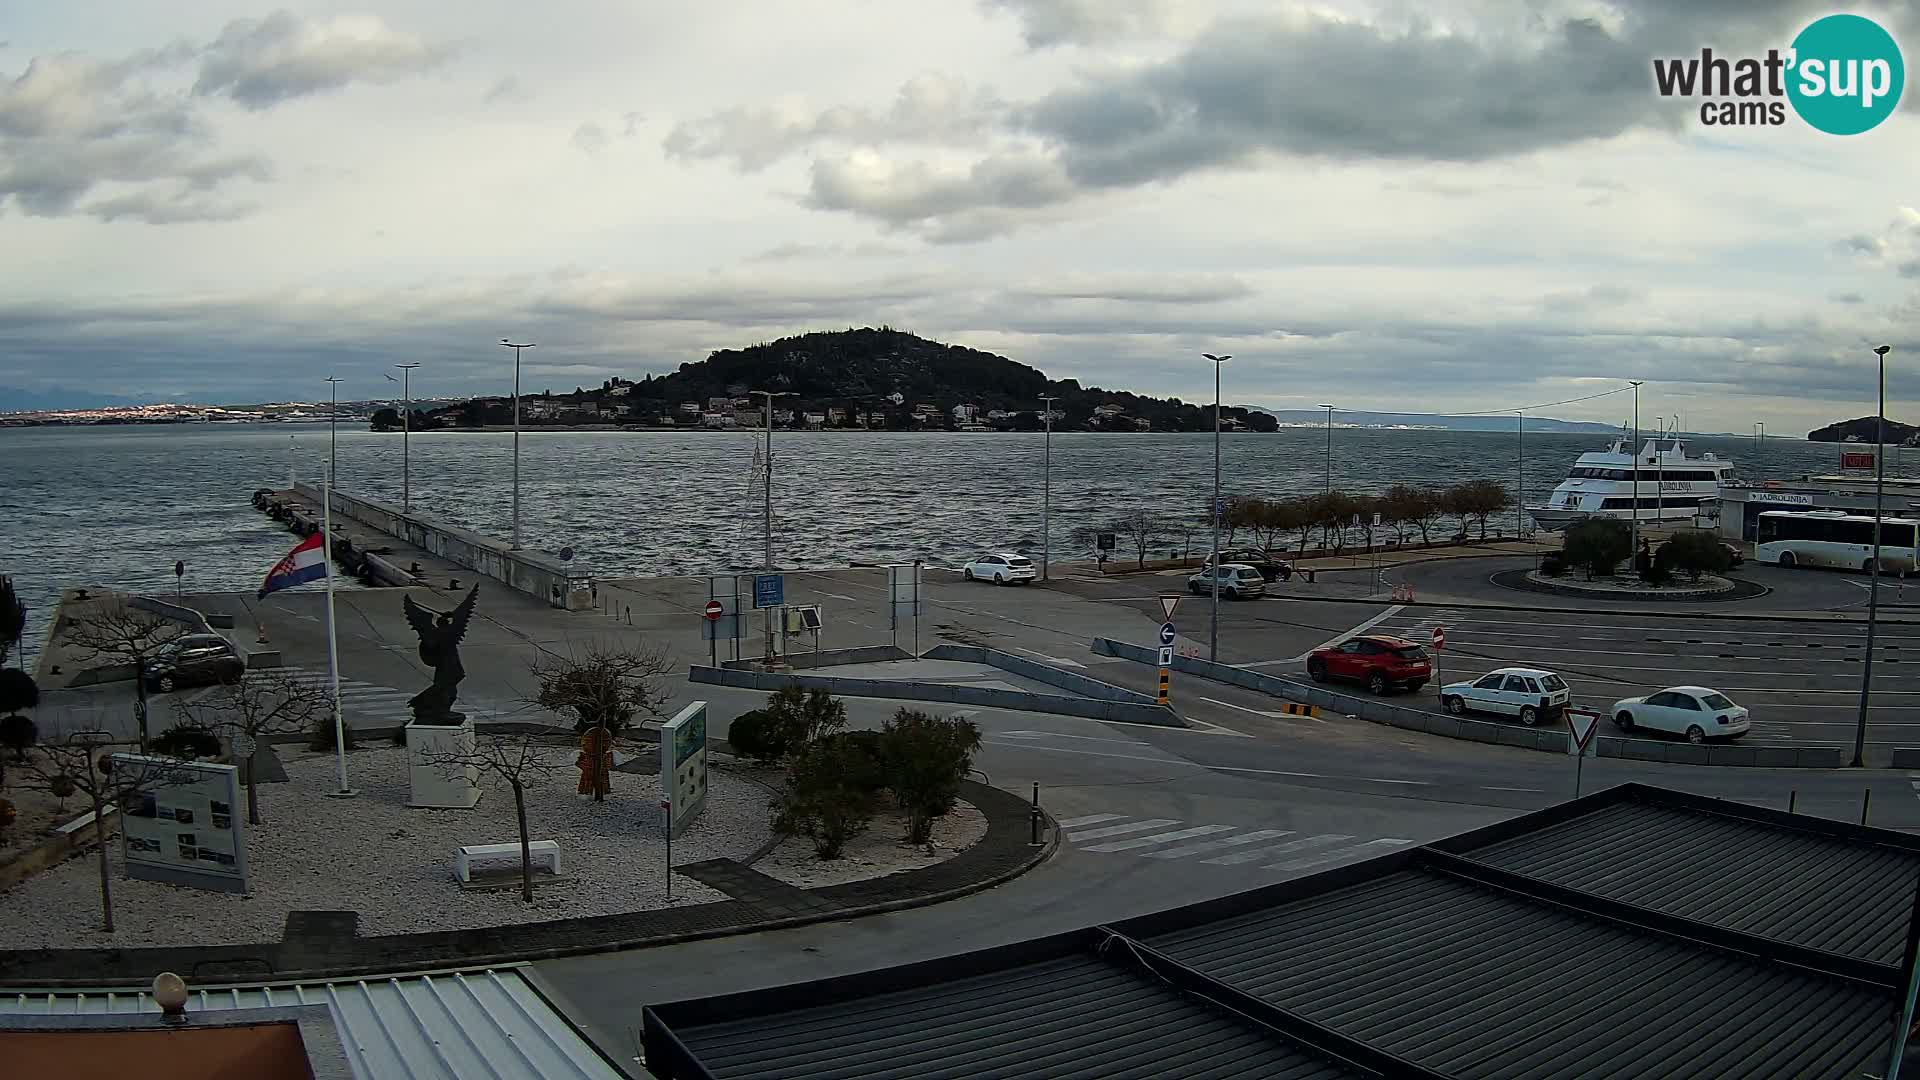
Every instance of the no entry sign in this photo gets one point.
(714, 610)
(1439, 638)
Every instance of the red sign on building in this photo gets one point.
(1856, 461)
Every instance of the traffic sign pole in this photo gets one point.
(1167, 637)
(1581, 726)
(1439, 643)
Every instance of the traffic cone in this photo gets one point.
(262, 639)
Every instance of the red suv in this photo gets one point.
(1380, 661)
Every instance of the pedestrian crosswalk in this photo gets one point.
(1282, 850)
(374, 704)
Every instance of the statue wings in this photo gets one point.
(420, 619)
(431, 635)
(461, 616)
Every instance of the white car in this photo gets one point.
(1527, 693)
(1002, 568)
(1698, 712)
(1238, 581)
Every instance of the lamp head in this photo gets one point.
(1883, 350)
(170, 993)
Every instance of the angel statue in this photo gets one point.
(440, 636)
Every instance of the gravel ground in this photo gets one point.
(37, 813)
(394, 864)
(877, 852)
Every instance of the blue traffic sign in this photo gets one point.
(769, 590)
(1166, 634)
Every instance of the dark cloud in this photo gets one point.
(259, 63)
(1047, 23)
(1861, 244)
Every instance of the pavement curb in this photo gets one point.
(1008, 829)
(1438, 601)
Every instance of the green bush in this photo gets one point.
(752, 736)
(1696, 552)
(1597, 545)
(18, 691)
(1658, 572)
(926, 759)
(320, 736)
(792, 720)
(187, 740)
(826, 797)
(866, 757)
(16, 734)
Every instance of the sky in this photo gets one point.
(1450, 205)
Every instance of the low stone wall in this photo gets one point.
(69, 840)
(531, 572)
(1083, 685)
(864, 654)
(950, 693)
(1549, 740)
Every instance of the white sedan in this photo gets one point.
(1002, 568)
(1697, 712)
(1527, 693)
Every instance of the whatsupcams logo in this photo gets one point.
(1843, 75)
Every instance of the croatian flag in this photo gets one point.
(307, 562)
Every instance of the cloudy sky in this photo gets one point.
(1444, 205)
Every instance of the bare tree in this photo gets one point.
(79, 762)
(119, 633)
(516, 759)
(264, 703)
(605, 686)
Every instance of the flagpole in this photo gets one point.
(333, 641)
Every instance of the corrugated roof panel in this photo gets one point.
(1486, 985)
(464, 1026)
(1075, 1018)
(1844, 897)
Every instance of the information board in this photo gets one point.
(187, 827)
(683, 766)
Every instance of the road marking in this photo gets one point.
(1217, 768)
(1528, 790)
(848, 599)
(1061, 660)
(1361, 629)
(1089, 819)
(1301, 864)
(1715, 629)
(1278, 849)
(1122, 830)
(1213, 845)
(1162, 838)
(1260, 712)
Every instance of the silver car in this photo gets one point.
(1238, 581)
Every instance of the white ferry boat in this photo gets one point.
(1674, 487)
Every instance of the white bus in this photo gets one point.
(1790, 538)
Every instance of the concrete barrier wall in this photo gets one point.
(1083, 685)
(903, 689)
(1553, 741)
(531, 572)
(864, 654)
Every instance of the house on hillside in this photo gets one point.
(836, 416)
(620, 391)
(717, 419)
(965, 414)
(1141, 423)
(1107, 412)
(688, 408)
(719, 405)
(814, 419)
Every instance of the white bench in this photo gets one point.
(490, 856)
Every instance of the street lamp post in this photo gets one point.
(406, 422)
(1520, 504)
(333, 413)
(1329, 409)
(1046, 487)
(1660, 474)
(1213, 618)
(1635, 449)
(505, 344)
(1873, 565)
(769, 395)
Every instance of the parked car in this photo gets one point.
(1698, 712)
(1270, 568)
(1379, 661)
(1531, 694)
(1003, 568)
(194, 660)
(1237, 582)
(1734, 553)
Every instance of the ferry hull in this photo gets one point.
(1555, 518)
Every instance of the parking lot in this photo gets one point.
(1801, 680)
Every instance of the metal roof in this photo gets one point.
(1635, 934)
(458, 1026)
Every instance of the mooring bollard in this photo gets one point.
(1866, 800)
(1792, 794)
(1033, 818)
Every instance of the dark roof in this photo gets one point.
(1636, 933)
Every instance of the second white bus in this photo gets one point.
(1790, 538)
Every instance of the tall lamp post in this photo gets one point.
(1213, 563)
(768, 561)
(1873, 566)
(505, 344)
(1046, 486)
(406, 421)
(1520, 503)
(333, 413)
(1329, 409)
(1635, 448)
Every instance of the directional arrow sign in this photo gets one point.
(1167, 634)
(1167, 604)
(1584, 724)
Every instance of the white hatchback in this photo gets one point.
(1528, 693)
(1697, 712)
(1001, 568)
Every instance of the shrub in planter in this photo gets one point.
(825, 798)
(752, 736)
(1659, 571)
(18, 691)
(320, 736)
(1696, 552)
(187, 741)
(926, 758)
(17, 733)
(866, 757)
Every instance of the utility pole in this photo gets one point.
(767, 562)
(1635, 448)
(406, 422)
(504, 343)
(1520, 504)
(1213, 618)
(1046, 486)
(1873, 565)
(333, 414)
(1329, 409)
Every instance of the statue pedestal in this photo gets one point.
(441, 785)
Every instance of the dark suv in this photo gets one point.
(194, 660)
(1269, 567)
